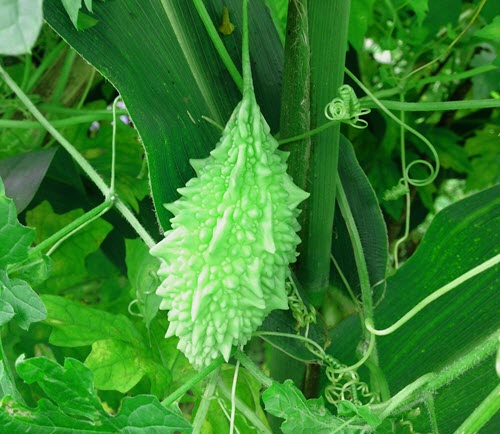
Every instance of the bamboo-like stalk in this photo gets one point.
(328, 26)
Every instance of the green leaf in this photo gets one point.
(301, 416)
(26, 304)
(71, 386)
(483, 151)
(75, 325)
(120, 356)
(117, 365)
(348, 409)
(20, 24)
(14, 237)
(6, 311)
(175, 78)
(22, 175)
(73, 407)
(451, 154)
(69, 260)
(490, 31)
(461, 237)
(368, 218)
(141, 271)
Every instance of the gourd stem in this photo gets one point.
(189, 384)
(245, 55)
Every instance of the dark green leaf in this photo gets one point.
(20, 23)
(73, 407)
(301, 416)
(175, 77)
(461, 237)
(24, 301)
(368, 218)
(14, 237)
(22, 175)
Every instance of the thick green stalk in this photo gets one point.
(328, 26)
(295, 120)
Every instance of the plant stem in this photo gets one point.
(244, 409)
(59, 123)
(471, 104)
(252, 368)
(174, 396)
(328, 25)
(378, 381)
(219, 45)
(434, 296)
(201, 414)
(80, 160)
(295, 121)
(482, 413)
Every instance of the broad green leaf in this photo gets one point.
(174, 77)
(24, 301)
(22, 175)
(117, 365)
(369, 222)
(20, 23)
(70, 385)
(68, 261)
(14, 237)
(75, 325)
(120, 354)
(73, 407)
(461, 237)
(301, 416)
(490, 31)
(141, 271)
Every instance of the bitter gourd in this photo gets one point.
(225, 260)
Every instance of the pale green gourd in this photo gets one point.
(225, 261)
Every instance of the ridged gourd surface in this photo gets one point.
(225, 261)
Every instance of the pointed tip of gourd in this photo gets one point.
(199, 165)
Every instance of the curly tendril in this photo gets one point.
(346, 108)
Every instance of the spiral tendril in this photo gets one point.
(346, 108)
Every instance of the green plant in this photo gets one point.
(432, 370)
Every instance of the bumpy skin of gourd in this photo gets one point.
(225, 261)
